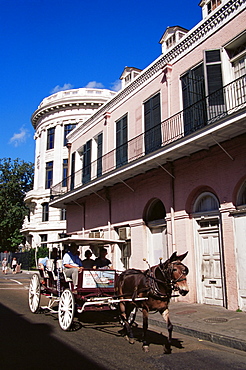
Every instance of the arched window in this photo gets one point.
(155, 212)
(45, 212)
(206, 202)
(241, 199)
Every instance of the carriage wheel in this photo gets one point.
(66, 309)
(34, 293)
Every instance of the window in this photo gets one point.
(50, 138)
(194, 105)
(213, 5)
(64, 172)
(206, 202)
(241, 199)
(49, 175)
(170, 41)
(121, 142)
(72, 171)
(197, 83)
(43, 239)
(45, 212)
(99, 154)
(239, 67)
(152, 123)
(214, 77)
(68, 128)
(63, 214)
(86, 173)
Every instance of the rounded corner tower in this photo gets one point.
(56, 116)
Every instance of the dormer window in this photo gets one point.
(213, 5)
(171, 37)
(208, 6)
(170, 41)
(128, 75)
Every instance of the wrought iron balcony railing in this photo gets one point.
(212, 108)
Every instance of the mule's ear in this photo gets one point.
(173, 257)
(182, 256)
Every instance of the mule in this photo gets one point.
(151, 290)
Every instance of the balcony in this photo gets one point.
(211, 120)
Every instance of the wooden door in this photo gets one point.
(211, 291)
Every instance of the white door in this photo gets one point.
(210, 290)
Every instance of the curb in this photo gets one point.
(211, 337)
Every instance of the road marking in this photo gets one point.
(17, 288)
(16, 281)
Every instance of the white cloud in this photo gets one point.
(95, 85)
(61, 88)
(116, 85)
(19, 138)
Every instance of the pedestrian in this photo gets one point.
(4, 265)
(14, 265)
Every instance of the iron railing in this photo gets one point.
(212, 108)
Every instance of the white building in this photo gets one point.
(55, 117)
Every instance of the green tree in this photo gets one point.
(16, 179)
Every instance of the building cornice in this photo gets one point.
(71, 99)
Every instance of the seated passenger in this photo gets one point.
(88, 263)
(72, 264)
(102, 261)
(42, 263)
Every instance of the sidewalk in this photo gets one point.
(211, 323)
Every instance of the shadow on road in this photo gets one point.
(31, 346)
(107, 321)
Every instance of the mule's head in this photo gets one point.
(178, 273)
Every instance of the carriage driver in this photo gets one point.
(72, 264)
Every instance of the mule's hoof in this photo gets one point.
(167, 351)
(130, 340)
(146, 349)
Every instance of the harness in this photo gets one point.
(152, 282)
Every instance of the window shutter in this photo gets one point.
(121, 142)
(152, 123)
(87, 162)
(214, 77)
(99, 154)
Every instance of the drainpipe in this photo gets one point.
(68, 165)
(172, 209)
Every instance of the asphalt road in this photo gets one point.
(35, 341)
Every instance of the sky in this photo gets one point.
(52, 45)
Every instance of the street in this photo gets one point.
(35, 341)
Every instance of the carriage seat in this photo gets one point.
(50, 268)
(59, 265)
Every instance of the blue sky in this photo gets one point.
(50, 45)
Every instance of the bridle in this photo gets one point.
(182, 276)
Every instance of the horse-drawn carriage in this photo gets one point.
(100, 289)
(95, 291)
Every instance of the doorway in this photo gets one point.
(155, 220)
(208, 251)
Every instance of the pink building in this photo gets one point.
(162, 164)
